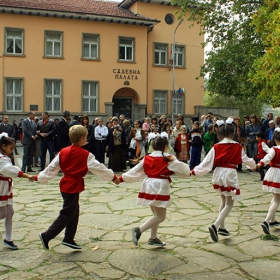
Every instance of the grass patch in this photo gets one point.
(269, 237)
(94, 239)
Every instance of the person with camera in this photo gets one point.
(100, 143)
(117, 145)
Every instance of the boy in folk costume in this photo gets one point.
(74, 162)
(263, 150)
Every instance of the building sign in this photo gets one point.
(126, 74)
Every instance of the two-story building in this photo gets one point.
(99, 58)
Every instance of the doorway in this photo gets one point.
(122, 106)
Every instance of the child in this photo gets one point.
(262, 151)
(225, 156)
(155, 190)
(7, 172)
(209, 138)
(196, 141)
(182, 145)
(271, 182)
(74, 162)
(151, 136)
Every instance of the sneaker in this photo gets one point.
(223, 231)
(10, 244)
(156, 242)
(265, 227)
(44, 241)
(274, 224)
(136, 234)
(213, 233)
(71, 244)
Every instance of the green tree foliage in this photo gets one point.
(235, 44)
(247, 106)
(267, 67)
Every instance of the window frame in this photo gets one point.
(90, 110)
(5, 41)
(61, 44)
(13, 95)
(166, 54)
(54, 96)
(174, 105)
(97, 44)
(132, 52)
(164, 111)
(175, 56)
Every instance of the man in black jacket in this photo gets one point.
(46, 132)
(62, 131)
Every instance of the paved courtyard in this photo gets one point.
(107, 214)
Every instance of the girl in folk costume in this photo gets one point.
(182, 145)
(156, 170)
(146, 127)
(225, 156)
(7, 171)
(271, 182)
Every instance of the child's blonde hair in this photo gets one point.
(76, 132)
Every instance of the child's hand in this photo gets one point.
(117, 181)
(31, 178)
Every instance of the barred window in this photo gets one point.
(160, 102)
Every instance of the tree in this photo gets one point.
(267, 67)
(235, 44)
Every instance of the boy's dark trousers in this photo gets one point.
(68, 218)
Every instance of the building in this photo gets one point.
(99, 58)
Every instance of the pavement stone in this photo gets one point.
(107, 214)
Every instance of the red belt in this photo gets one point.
(161, 177)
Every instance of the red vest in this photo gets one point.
(227, 155)
(73, 163)
(261, 152)
(275, 162)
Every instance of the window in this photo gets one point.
(90, 94)
(14, 41)
(160, 104)
(126, 49)
(13, 94)
(53, 44)
(169, 19)
(53, 95)
(90, 46)
(160, 54)
(177, 103)
(179, 55)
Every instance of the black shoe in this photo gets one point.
(30, 170)
(213, 233)
(223, 231)
(136, 234)
(71, 244)
(274, 224)
(265, 228)
(10, 244)
(156, 242)
(44, 240)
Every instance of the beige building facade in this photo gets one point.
(98, 58)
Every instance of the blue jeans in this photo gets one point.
(46, 145)
(252, 149)
(195, 156)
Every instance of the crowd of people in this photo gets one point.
(154, 149)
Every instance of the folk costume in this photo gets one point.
(271, 182)
(7, 172)
(182, 147)
(74, 162)
(225, 156)
(155, 189)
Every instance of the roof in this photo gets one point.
(82, 9)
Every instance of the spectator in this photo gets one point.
(62, 131)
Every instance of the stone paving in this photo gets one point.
(107, 214)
